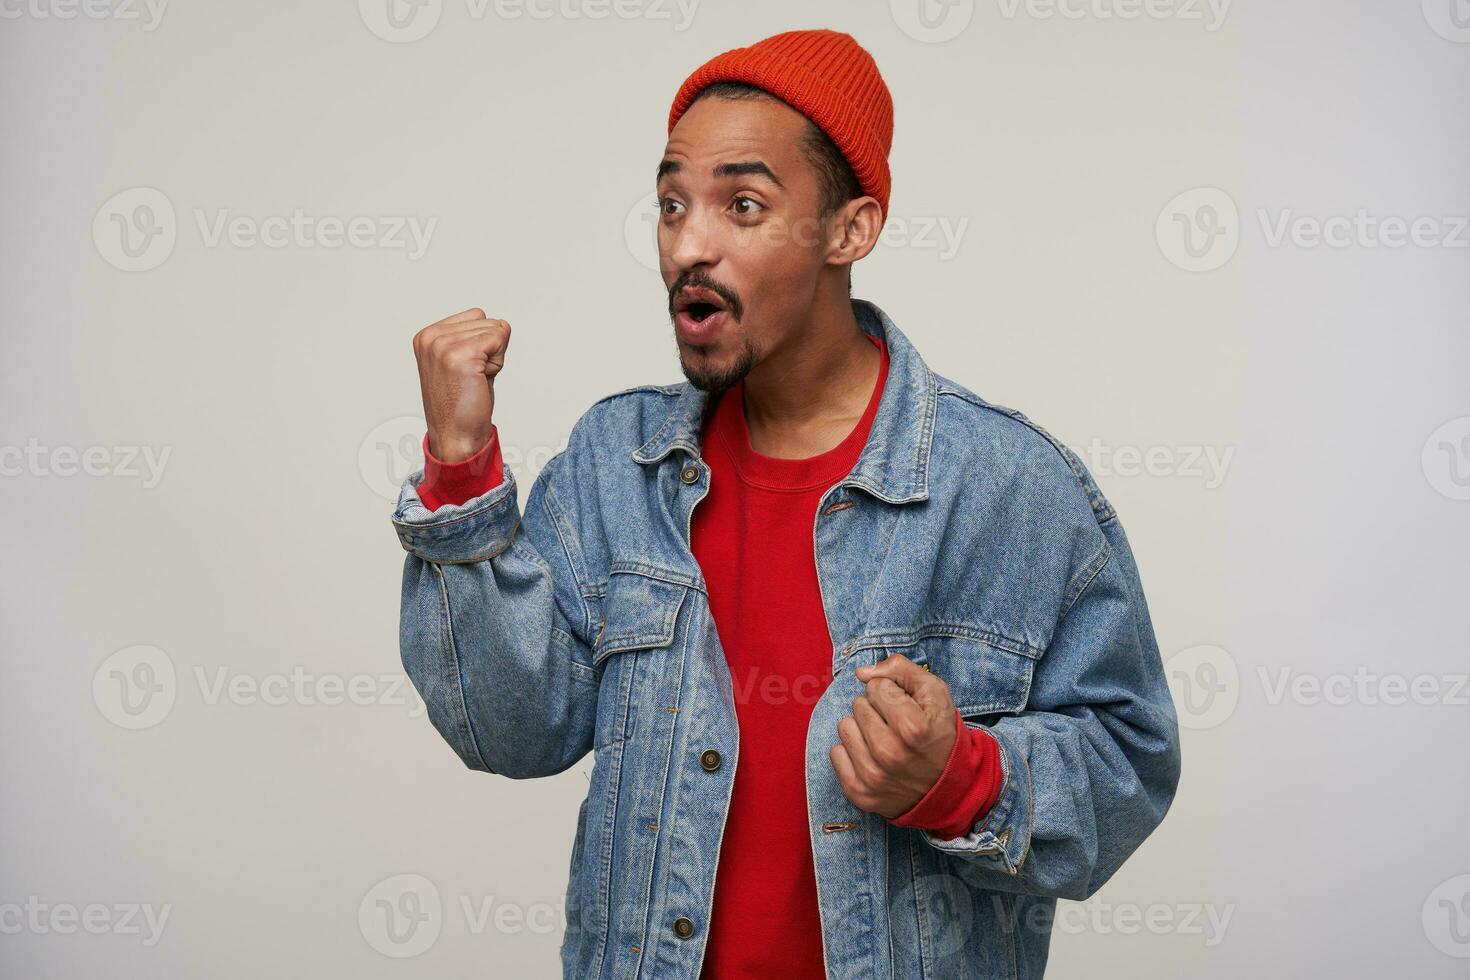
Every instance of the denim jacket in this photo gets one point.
(965, 538)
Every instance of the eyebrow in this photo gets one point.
(743, 168)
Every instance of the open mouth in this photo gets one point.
(698, 305)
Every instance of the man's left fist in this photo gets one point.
(897, 739)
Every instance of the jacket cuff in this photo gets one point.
(966, 789)
(476, 530)
(454, 483)
(1001, 839)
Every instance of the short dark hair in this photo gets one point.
(837, 183)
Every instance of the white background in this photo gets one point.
(1315, 833)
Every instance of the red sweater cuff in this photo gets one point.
(454, 483)
(966, 789)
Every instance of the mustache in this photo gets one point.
(732, 301)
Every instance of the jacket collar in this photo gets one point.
(894, 463)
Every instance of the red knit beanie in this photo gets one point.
(827, 77)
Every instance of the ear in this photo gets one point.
(853, 230)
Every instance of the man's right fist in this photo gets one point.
(458, 359)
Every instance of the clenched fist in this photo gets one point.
(897, 739)
(458, 359)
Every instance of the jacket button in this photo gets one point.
(710, 759)
(689, 474)
(683, 927)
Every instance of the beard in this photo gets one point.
(716, 381)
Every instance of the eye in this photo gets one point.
(754, 205)
(665, 205)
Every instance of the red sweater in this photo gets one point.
(752, 537)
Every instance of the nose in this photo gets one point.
(689, 242)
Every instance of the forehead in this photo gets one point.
(716, 128)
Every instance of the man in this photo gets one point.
(863, 660)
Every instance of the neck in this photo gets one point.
(806, 394)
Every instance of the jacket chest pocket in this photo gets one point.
(639, 621)
(983, 679)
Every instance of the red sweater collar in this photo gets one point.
(774, 473)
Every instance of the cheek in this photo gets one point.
(797, 242)
(782, 259)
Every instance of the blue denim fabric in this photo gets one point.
(965, 538)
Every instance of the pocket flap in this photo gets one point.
(983, 678)
(638, 612)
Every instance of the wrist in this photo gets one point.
(964, 791)
(454, 449)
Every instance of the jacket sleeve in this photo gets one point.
(494, 629)
(1090, 767)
